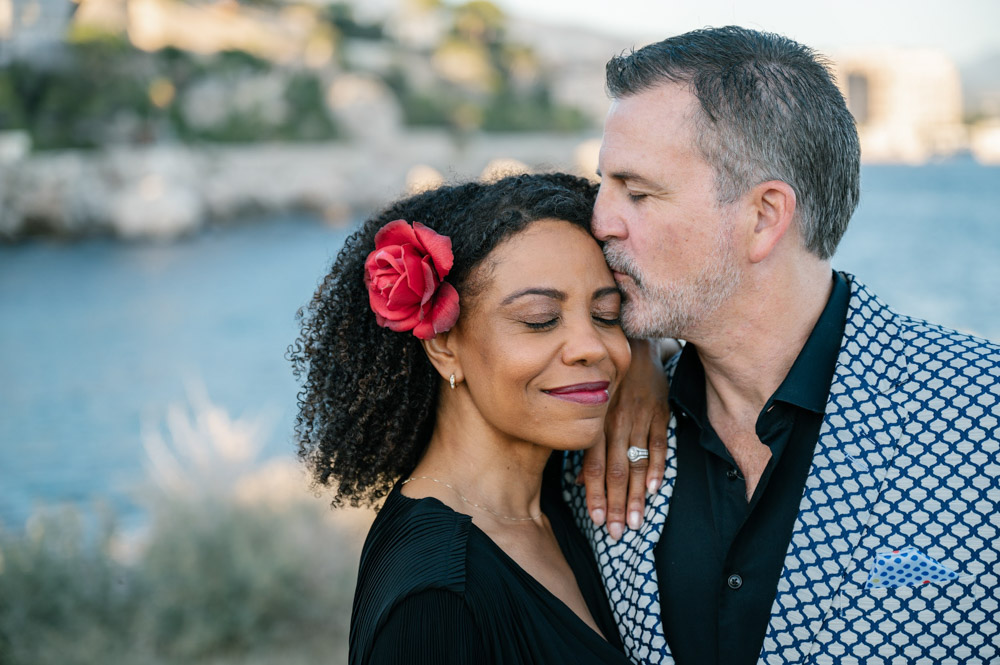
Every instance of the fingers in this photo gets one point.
(657, 449)
(593, 480)
(637, 483)
(618, 430)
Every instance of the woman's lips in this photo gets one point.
(582, 393)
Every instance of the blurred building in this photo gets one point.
(907, 103)
(576, 57)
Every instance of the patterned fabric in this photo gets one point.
(908, 459)
(906, 567)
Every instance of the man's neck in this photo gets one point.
(749, 352)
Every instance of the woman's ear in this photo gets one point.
(442, 350)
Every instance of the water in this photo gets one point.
(98, 337)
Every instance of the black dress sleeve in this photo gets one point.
(431, 626)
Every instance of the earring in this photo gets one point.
(451, 380)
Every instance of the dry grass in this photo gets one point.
(239, 564)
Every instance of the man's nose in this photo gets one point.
(607, 222)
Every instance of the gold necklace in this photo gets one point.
(472, 503)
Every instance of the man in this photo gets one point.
(831, 483)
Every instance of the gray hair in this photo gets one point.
(770, 111)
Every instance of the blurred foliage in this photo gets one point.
(101, 90)
(341, 16)
(214, 583)
(497, 100)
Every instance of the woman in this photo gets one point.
(462, 337)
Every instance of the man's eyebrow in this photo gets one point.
(548, 293)
(631, 176)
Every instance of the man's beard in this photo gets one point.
(676, 309)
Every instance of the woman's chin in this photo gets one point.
(581, 440)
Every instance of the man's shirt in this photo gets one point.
(720, 556)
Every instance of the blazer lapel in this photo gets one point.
(858, 440)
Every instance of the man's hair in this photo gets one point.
(770, 111)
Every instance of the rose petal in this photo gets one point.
(437, 246)
(413, 271)
(378, 304)
(444, 308)
(397, 232)
(390, 258)
(430, 281)
(405, 324)
(402, 297)
(424, 330)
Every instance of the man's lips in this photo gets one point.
(595, 392)
(622, 276)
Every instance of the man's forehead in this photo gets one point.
(665, 102)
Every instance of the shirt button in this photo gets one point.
(732, 474)
(734, 582)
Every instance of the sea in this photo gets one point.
(101, 341)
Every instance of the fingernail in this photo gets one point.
(598, 517)
(616, 529)
(634, 520)
(653, 486)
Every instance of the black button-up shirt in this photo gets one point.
(720, 556)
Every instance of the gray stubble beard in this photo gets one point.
(676, 309)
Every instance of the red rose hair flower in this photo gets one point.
(404, 276)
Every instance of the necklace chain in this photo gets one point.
(472, 503)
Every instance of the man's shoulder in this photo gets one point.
(947, 362)
(911, 333)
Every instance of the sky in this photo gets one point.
(965, 29)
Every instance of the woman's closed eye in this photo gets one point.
(608, 318)
(541, 322)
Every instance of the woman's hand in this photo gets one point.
(638, 416)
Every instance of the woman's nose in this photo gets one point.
(584, 344)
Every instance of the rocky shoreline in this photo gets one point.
(167, 191)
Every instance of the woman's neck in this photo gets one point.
(475, 470)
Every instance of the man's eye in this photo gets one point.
(635, 197)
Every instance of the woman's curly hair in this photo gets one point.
(369, 395)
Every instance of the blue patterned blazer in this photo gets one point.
(894, 556)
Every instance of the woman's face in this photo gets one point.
(540, 345)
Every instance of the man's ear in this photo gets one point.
(442, 350)
(773, 205)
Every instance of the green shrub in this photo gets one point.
(212, 582)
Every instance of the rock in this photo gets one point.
(162, 192)
(156, 208)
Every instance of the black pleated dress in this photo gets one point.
(433, 588)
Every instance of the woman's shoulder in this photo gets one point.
(423, 540)
(414, 546)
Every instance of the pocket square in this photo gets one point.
(906, 567)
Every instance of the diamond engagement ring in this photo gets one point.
(635, 453)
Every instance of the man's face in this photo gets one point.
(672, 247)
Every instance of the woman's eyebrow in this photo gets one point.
(606, 291)
(548, 293)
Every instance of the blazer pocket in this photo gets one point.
(923, 603)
